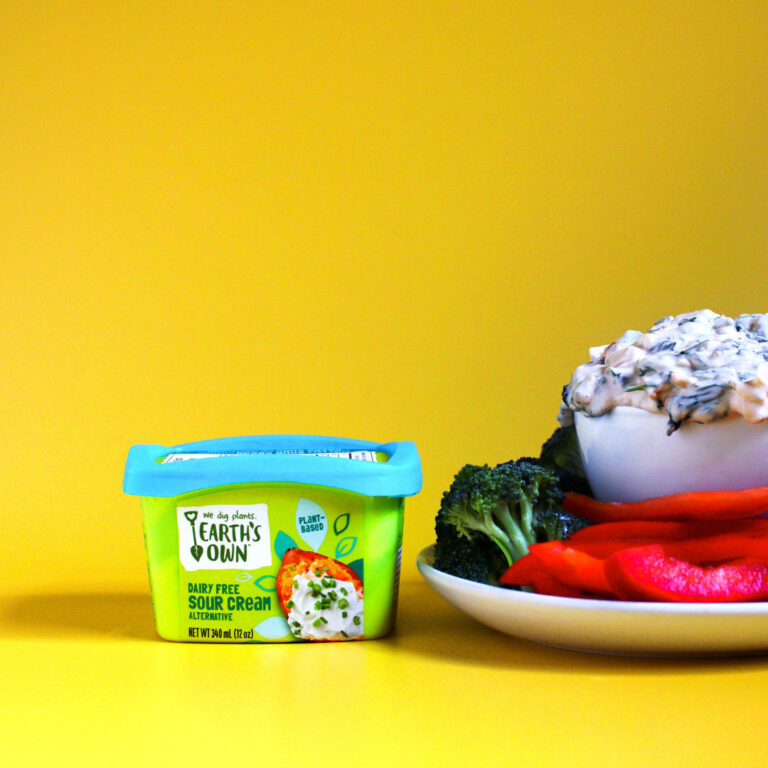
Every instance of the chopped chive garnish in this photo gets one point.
(296, 623)
(356, 620)
(318, 572)
(290, 603)
(333, 595)
(343, 591)
(343, 614)
(344, 633)
(343, 603)
(295, 583)
(637, 388)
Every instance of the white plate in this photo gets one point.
(601, 626)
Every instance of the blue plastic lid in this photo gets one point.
(157, 470)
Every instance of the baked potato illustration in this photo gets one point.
(321, 597)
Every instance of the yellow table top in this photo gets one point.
(87, 682)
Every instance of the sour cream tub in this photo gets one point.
(628, 455)
(273, 538)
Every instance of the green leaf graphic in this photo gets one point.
(244, 576)
(267, 583)
(357, 567)
(283, 542)
(341, 523)
(345, 546)
(197, 552)
(191, 515)
(273, 628)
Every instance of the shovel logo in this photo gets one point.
(196, 550)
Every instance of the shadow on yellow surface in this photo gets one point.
(51, 616)
(429, 627)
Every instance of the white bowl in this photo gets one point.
(628, 455)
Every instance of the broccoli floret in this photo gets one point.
(560, 453)
(557, 524)
(475, 559)
(483, 506)
(490, 516)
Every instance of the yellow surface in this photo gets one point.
(381, 220)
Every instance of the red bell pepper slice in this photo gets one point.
(572, 567)
(630, 530)
(703, 505)
(649, 574)
(709, 549)
(546, 584)
(529, 571)
(704, 549)
(712, 549)
(603, 549)
(522, 572)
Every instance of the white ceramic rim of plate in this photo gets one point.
(425, 558)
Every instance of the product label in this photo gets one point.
(280, 566)
(227, 536)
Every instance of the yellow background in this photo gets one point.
(389, 220)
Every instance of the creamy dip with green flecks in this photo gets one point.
(699, 366)
(323, 608)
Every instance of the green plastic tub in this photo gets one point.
(273, 538)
